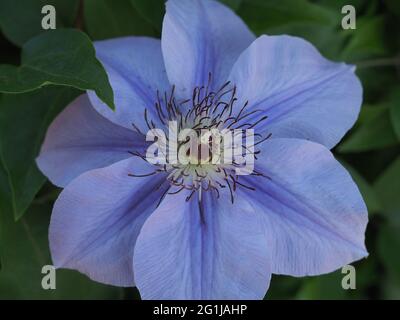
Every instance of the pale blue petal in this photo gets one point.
(303, 94)
(199, 37)
(80, 139)
(315, 217)
(210, 251)
(97, 218)
(136, 71)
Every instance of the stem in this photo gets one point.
(79, 18)
(379, 62)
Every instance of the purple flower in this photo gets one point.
(205, 232)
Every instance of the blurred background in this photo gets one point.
(370, 151)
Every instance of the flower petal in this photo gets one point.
(214, 250)
(136, 71)
(315, 217)
(199, 37)
(304, 95)
(80, 139)
(97, 218)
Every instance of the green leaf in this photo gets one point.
(387, 188)
(5, 205)
(368, 113)
(282, 287)
(9, 53)
(262, 15)
(395, 111)
(388, 249)
(151, 10)
(315, 23)
(233, 4)
(60, 57)
(394, 6)
(374, 134)
(24, 251)
(329, 286)
(109, 19)
(24, 119)
(22, 19)
(339, 4)
(367, 40)
(323, 287)
(391, 289)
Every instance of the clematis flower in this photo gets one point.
(184, 232)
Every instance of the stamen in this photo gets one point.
(206, 109)
(176, 192)
(191, 194)
(142, 175)
(230, 190)
(137, 129)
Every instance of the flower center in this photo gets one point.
(210, 150)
